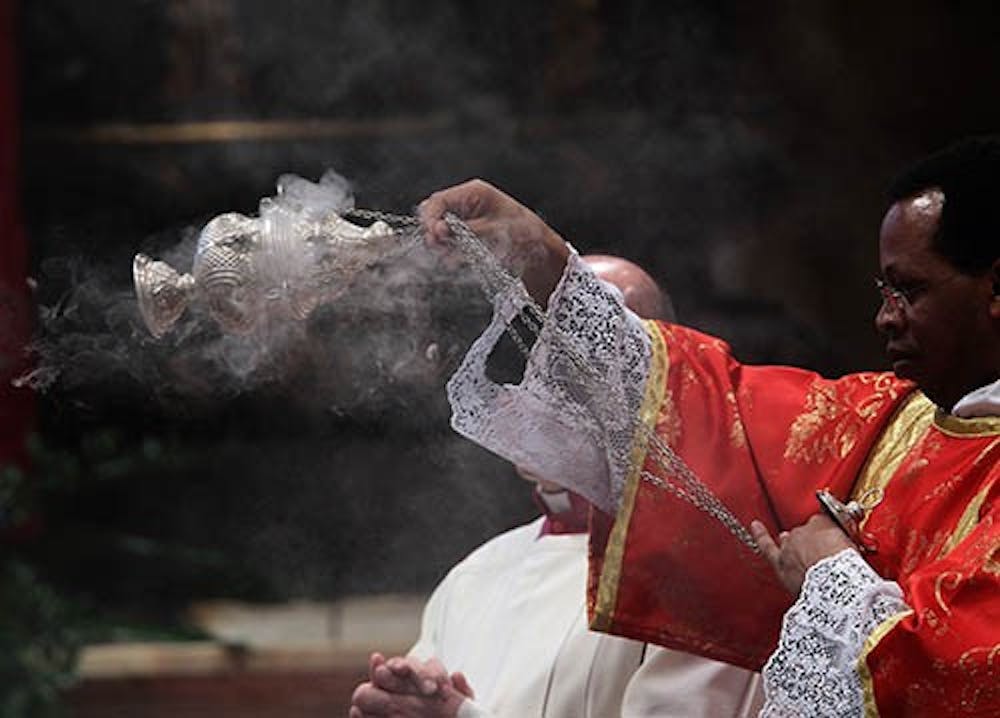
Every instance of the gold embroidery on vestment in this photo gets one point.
(944, 488)
(688, 378)
(982, 690)
(737, 435)
(947, 581)
(913, 469)
(715, 344)
(930, 618)
(823, 430)
(608, 582)
(919, 549)
(885, 388)
(992, 562)
(829, 425)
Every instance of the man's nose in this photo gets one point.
(889, 319)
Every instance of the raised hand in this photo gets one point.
(516, 235)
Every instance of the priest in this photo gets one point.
(902, 617)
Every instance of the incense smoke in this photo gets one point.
(389, 335)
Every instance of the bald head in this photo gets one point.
(641, 292)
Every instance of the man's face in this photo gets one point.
(938, 326)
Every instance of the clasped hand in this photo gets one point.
(404, 687)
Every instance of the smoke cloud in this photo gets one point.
(387, 338)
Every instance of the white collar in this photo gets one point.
(984, 401)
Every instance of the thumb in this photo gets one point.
(764, 541)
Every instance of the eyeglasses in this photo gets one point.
(895, 298)
(900, 299)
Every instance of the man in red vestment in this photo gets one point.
(903, 619)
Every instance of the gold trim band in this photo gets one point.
(957, 426)
(906, 427)
(867, 684)
(607, 588)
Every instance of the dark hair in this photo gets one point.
(968, 173)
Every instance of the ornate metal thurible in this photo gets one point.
(249, 270)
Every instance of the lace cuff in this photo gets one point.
(813, 672)
(572, 418)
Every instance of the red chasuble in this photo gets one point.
(764, 439)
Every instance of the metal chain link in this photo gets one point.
(494, 279)
(677, 477)
(691, 489)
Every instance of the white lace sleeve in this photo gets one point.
(814, 672)
(572, 418)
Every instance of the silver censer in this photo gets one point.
(297, 254)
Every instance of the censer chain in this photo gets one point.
(496, 279)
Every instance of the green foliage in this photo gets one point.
(47, 613)
(38, 646)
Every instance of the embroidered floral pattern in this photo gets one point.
(830, 423)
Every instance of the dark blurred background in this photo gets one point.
(738, 151)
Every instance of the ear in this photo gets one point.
(995, 299)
